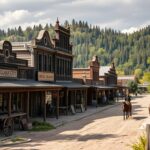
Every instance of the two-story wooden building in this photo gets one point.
(52, 61)
(21, 96)
(51, 58)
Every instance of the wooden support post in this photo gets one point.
(28, 97)
(108, 96)
(67, 100)
(17, 99)
(148, 137)
(96, 99)
(81, 100)
(93, 93)
(57, 107)
(75, 100)
(85, 99)
(44, 99)
(9, 104)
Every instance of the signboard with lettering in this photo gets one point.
(48, 97)
(8, 73)
(45, 76)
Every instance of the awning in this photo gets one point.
(72, 85)
(26, 84)
(103, 87)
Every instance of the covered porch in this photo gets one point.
(73, 97)
(98, 95)
(28, 97)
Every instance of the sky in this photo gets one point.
(124, 15)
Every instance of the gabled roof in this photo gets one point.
(44, 35)
(103, 70)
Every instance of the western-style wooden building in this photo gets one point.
(37, 79)
(102, 81)
(52, 61)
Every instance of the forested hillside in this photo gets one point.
(129, 52)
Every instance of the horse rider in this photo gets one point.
(128, 98)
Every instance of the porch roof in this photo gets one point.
(26, 84)
(72, 85)
(104, 87)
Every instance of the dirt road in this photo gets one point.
(102, 131)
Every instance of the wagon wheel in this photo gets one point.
(8, 127)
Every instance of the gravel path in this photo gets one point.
(102, 131)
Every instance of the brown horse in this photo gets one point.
(127, 109)
(149, 109)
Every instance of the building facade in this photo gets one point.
(21, 96)
(107, 75)
(89, 75)
(123, 80)
(102, 81)
(50, 58)
(52, 61)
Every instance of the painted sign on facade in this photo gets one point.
(45, 76)
(8, 73)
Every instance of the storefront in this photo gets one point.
(73, 97)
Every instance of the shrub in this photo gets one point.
(140, 145)
(41, 126)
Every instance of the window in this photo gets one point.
(57, 66)
(45, 63)
(70, 68)
(39, 62)
(7, 53)
(61, 67)
(65, 67)
(23, 74)
(45, 41)
(50, 63)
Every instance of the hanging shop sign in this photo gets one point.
(45, 76)
(8, 73)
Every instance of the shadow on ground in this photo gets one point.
(58, 134)
(139, 118)
(64, 137)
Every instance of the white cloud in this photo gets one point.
(40, 14)
(124, 15)
(111, 24)
(134, 29)
(130, 30)
(101, 2)
(9, 18)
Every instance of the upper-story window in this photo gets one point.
(23, 74)
(39, 62)
(64, 67)
(45, 62)
(7, 53)
(50, 63)
(45, 41)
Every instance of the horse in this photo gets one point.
(127, 109)
(149, 109)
